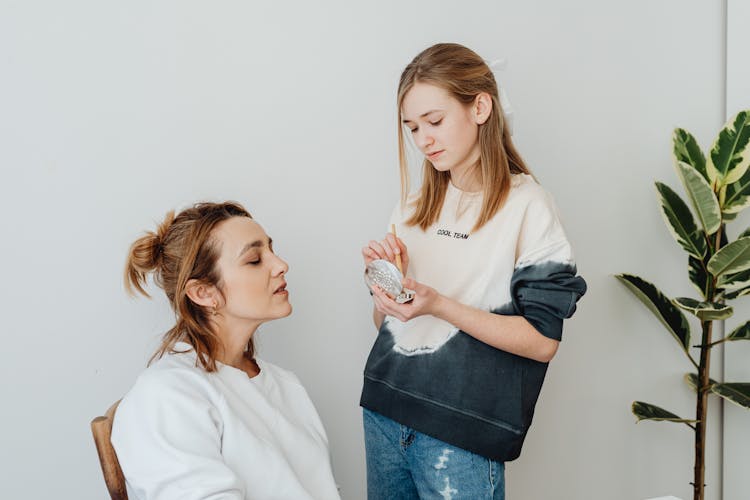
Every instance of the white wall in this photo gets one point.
(736, 454)
(111, 113)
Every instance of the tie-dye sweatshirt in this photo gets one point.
(430, 376)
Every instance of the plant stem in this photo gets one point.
(701, 406)
(701, 411)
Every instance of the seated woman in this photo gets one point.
(207, 419)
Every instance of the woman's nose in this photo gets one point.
(280, 266)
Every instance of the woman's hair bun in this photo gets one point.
(145, 256)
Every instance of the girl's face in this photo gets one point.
(445, 130)
(252, 276)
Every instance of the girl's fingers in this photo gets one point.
(393, 242)
(378, 249)
(409, 283)
(367, 253)
(390, 254)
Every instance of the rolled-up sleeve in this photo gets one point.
(545, 286)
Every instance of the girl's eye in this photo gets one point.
(435, 124)
(254, 262)
(414, 130)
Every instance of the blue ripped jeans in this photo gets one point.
(403, 464)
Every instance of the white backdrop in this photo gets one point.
(112, 113)
(736, 454)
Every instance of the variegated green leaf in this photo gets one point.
(733, 258)
(705, 311)
(736, 392)
(686, 150)
(734, 281)
(737, 293)
(670, 316)
(647, 411)
(744, 233)
(737, 196)
(701, 197)
(680, 222)
(698, 275)
(729, 156)
(742, 332)
(692, 381)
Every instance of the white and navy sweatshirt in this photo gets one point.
(429, 375)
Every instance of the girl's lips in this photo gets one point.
(435, 155)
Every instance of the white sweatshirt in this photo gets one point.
(184, 433)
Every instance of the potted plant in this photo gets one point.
(718, 188)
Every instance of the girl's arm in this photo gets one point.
(513, 334)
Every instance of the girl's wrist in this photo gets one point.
(439, 306)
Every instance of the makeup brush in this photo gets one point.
(398, 255)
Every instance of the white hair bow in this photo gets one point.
(495, 66)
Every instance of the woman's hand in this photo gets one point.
(426, 301)
(387, 249)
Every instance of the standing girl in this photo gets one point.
(452, 380)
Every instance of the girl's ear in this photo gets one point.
(201, 294)
(482, 107)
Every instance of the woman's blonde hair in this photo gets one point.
(180, 250)
(465, 75)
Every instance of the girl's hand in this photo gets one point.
(426, 301)
(387, 249)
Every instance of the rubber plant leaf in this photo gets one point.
(736, 392)
(666, 312)
(692, 381)
(680, 222)
(698, 275)
(705, 311)
(729, 157)
(742, 332)
(686, 150)
(737, 197)
(733, 258)
(647, 411)
(701, 197)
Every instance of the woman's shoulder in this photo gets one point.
(278, 373)
(176, 372)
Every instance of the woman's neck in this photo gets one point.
(234, 344)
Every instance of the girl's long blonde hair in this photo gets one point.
(465, 75)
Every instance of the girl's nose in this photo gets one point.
(424, 140)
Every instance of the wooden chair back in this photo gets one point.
(101, 428)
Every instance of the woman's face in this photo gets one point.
(252, 276)
(445, 130)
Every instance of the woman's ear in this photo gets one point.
(201, 294)
(482, 107)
